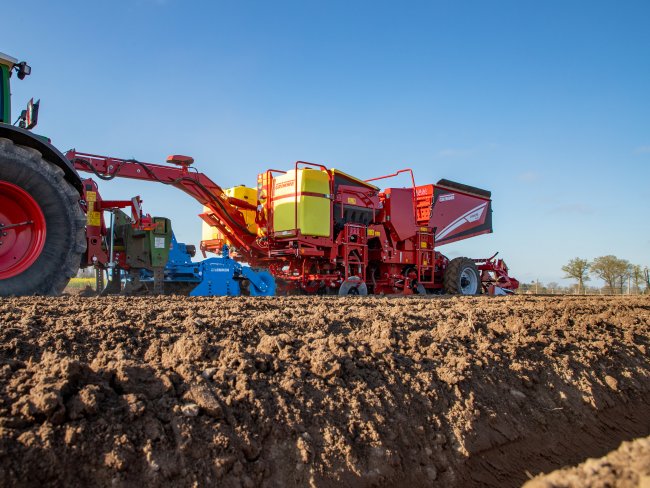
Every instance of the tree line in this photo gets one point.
(618, 274)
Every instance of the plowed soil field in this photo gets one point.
(297, 391)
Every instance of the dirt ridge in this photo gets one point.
(316, 391)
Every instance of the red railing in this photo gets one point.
(397, 173)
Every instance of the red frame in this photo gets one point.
(196, 184)
(389, 263)
(94, 207)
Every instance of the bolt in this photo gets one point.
(4, 234)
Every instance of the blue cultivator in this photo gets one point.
(218, 276)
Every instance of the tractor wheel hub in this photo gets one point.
(22, 230)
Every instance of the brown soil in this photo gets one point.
(627, 467)
(316, 391)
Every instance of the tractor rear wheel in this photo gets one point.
(462, 277)
(44, 225)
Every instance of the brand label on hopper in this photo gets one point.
(284, 184)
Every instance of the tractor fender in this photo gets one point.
(50, 153)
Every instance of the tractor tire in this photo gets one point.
(462, 277)
(44, 251)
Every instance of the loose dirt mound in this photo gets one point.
(627, 467)
(321, 391)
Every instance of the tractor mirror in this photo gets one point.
(23, 70)
(31, 117)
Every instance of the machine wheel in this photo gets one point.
(462, 277)
(42, 249)
(353, 286)
(266, 278)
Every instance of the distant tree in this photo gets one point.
(553, 287)
(611, 270)
(627, 277)
(636, 273)
(578, 269)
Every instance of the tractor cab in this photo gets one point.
(28, 117)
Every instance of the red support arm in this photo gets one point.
(227, 219)
(407, 170)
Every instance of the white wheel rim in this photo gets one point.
(468, 282)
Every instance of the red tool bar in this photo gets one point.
(229, 220)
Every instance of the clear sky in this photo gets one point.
(546, 104)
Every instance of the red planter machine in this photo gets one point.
(320, 230)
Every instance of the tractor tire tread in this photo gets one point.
(66, 235)
(451, 278)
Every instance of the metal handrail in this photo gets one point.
(405, 170)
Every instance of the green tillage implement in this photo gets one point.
(145, 249)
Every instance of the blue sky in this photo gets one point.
(546, 104)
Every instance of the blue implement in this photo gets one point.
(218, 276)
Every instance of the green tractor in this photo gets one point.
(42, 225)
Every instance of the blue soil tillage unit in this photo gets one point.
(217, 276)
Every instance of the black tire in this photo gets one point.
(64, 220)
(458, 277)
(353, 286)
